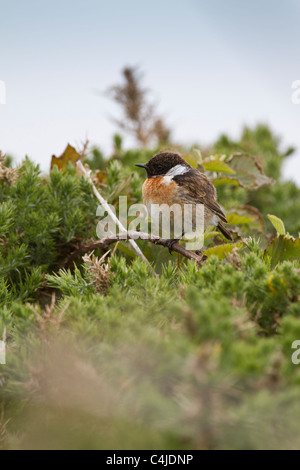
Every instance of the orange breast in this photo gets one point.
(157, 191)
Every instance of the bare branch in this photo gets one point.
(104, 243)
(139, 114)
(104, 203)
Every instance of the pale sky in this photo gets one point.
(213, 66)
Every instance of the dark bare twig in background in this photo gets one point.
(139, 115)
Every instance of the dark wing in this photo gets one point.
(196, 187)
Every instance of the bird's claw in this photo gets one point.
(171, 243)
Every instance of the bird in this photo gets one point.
(172, 180)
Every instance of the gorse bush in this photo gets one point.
(36, 228)
(104, 352)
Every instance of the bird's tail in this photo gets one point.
(224, 231)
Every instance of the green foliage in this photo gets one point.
(282, 198)
(222, 251)
(283, 248)
(246, 172)
(40, 220)
(218, 165)
(173, 357)
(95, 159)
(70, 284)
(156, 348)
(277, 224)
(261, 142)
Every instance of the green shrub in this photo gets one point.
(109, 354)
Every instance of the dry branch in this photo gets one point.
(104, 243)
(104, 203)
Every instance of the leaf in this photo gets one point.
(198, 154)
(70, 155)
(101, 176)
(226, 180)
(283, 248)
(248, 216)
(191, 160)
(248, 172)
(237, 219)
(277, 224)
(221, 251)
(211, 234)
(219, 166)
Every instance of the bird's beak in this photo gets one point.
(142, 165)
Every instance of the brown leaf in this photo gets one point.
(70, 155)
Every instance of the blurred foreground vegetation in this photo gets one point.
(104, 354)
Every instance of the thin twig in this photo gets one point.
(104, 203)
(104, 243)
